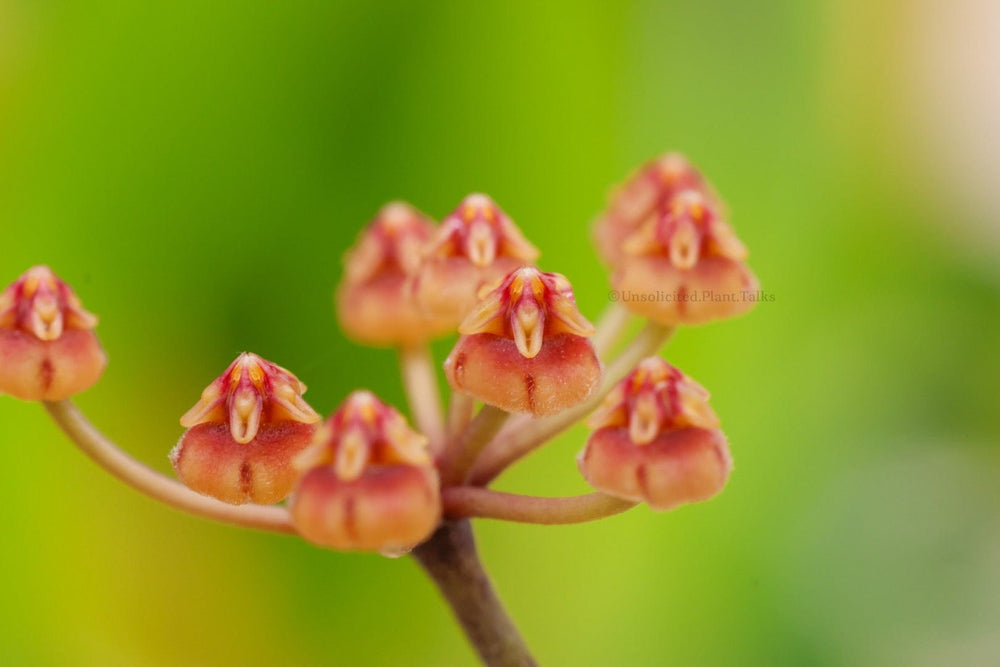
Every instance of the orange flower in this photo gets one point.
(244, 432)
(368, 482)
(656, 440)
(48, 350)
(525, 347)
(474, 246)
(643, 195)
(685, 266)
(374, 303)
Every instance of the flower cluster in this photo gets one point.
(365, 479)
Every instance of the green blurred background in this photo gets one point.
(197, 169)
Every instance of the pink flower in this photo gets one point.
(642, 197)
(368, 482)
(244, 432)
(374, 301)
(656, 440)
(48, 350)
(474, 246)
(525, 347)
(685, 266)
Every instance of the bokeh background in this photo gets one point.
(197, 169)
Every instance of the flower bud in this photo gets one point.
(656, 440)
(243, 434)
(643, 195)
(368, 482)
(48, 350)
(374, 303)
(474, 246)
(686, 266)
(525, 347)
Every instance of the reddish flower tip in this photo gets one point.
(369, 482)
(374, 301)
(524, 346)
(474, 246)
(641, 197)
(657, 440)
(48, 350)
(244, 432)
(691, 257)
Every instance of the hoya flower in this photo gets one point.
(525, 347)
(244, 432)
(374, 304)
(48, 350)
(368, 481)
(474, 246)
(656, 440)
(643, 195)
(686, 266)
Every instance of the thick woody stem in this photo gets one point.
(420, 382)
(474, 501)
(451, 561)
(522, 436)
(155, 485)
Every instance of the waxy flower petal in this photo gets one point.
(209, 461)
(244, 432)
(47, 349)
(474, 246)
(656, 440)
(368, 481)
(389, 509)
(685, 266)
(642, 197)
(687, 465)
(524, 346)
(374, 301)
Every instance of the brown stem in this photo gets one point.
(474, 501)
(450, 559)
